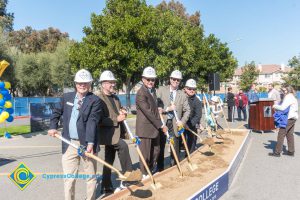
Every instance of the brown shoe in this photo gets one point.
(289, 153)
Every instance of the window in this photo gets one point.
(267, 76)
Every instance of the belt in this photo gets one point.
(75, 139)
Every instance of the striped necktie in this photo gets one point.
(171, 113)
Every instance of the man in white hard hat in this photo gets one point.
(81, 111)
(112, 131)
(171, 99)
(195, 115)
(148, 122)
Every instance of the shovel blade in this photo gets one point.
(133, 176)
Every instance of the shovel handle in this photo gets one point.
(187, 128)
(186, 148)
(172, 148)
(140, 153)
(90, 155)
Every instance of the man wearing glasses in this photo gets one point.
(171, 99)
(81, 111)
(195, 115)
(112, 132)
(148, 121)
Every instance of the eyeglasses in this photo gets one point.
(84, 84)
(194, 89)
(175, 79)
(150, 80)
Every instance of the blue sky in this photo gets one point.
(263, 31)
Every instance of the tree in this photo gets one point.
(33, 74)
(9, 54)
(28, 40)
(122, 39)
(179, 9)
(6, 19)
(249, 76)
(129, 35)
(61, 75)
(293, 77)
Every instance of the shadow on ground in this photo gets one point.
(272, 145)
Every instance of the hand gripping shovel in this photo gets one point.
(136, 140)
(128, 176)
(171, 141)
(191, 166)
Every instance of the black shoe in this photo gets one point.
(289, 153)
(274, 154)
(106, 191)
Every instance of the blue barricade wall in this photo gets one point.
(21, 105)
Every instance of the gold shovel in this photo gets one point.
(128, 176)
(191, 166)
(172, 149)
(155, 185)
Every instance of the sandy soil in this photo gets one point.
(210, 165)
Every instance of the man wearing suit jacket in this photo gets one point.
(148, 121)
(170, 99)
(81, 112)
(112, 131)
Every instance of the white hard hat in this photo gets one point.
(107, 76)
(83, 76)
(176, 74)
(215, 99)
(149, 72)
(191, 83)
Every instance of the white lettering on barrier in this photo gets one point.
(208, 194)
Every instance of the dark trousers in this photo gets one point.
(230, 113)
(150, 150)
(287, 132)
(161, 158)
(191, 139)
(110, 152)
(242, 109)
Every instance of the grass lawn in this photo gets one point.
(15, 130)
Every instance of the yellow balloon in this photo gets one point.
(1, 119)
(8, 104)
(7, 85)
(4, 115)
(1, 96)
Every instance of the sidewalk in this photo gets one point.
(261, 177)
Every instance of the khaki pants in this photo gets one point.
(287, 132)
(70, 164)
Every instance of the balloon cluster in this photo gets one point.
(6, 109)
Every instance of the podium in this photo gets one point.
(261, 115)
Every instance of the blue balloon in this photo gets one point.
(4, 92)
(1, 109)
(2, 102)
(2, 85)
(9, 110)
(7, 97)
(7, 135)
(10, 119)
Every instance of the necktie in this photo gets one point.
(171, 113)
(79, 104)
